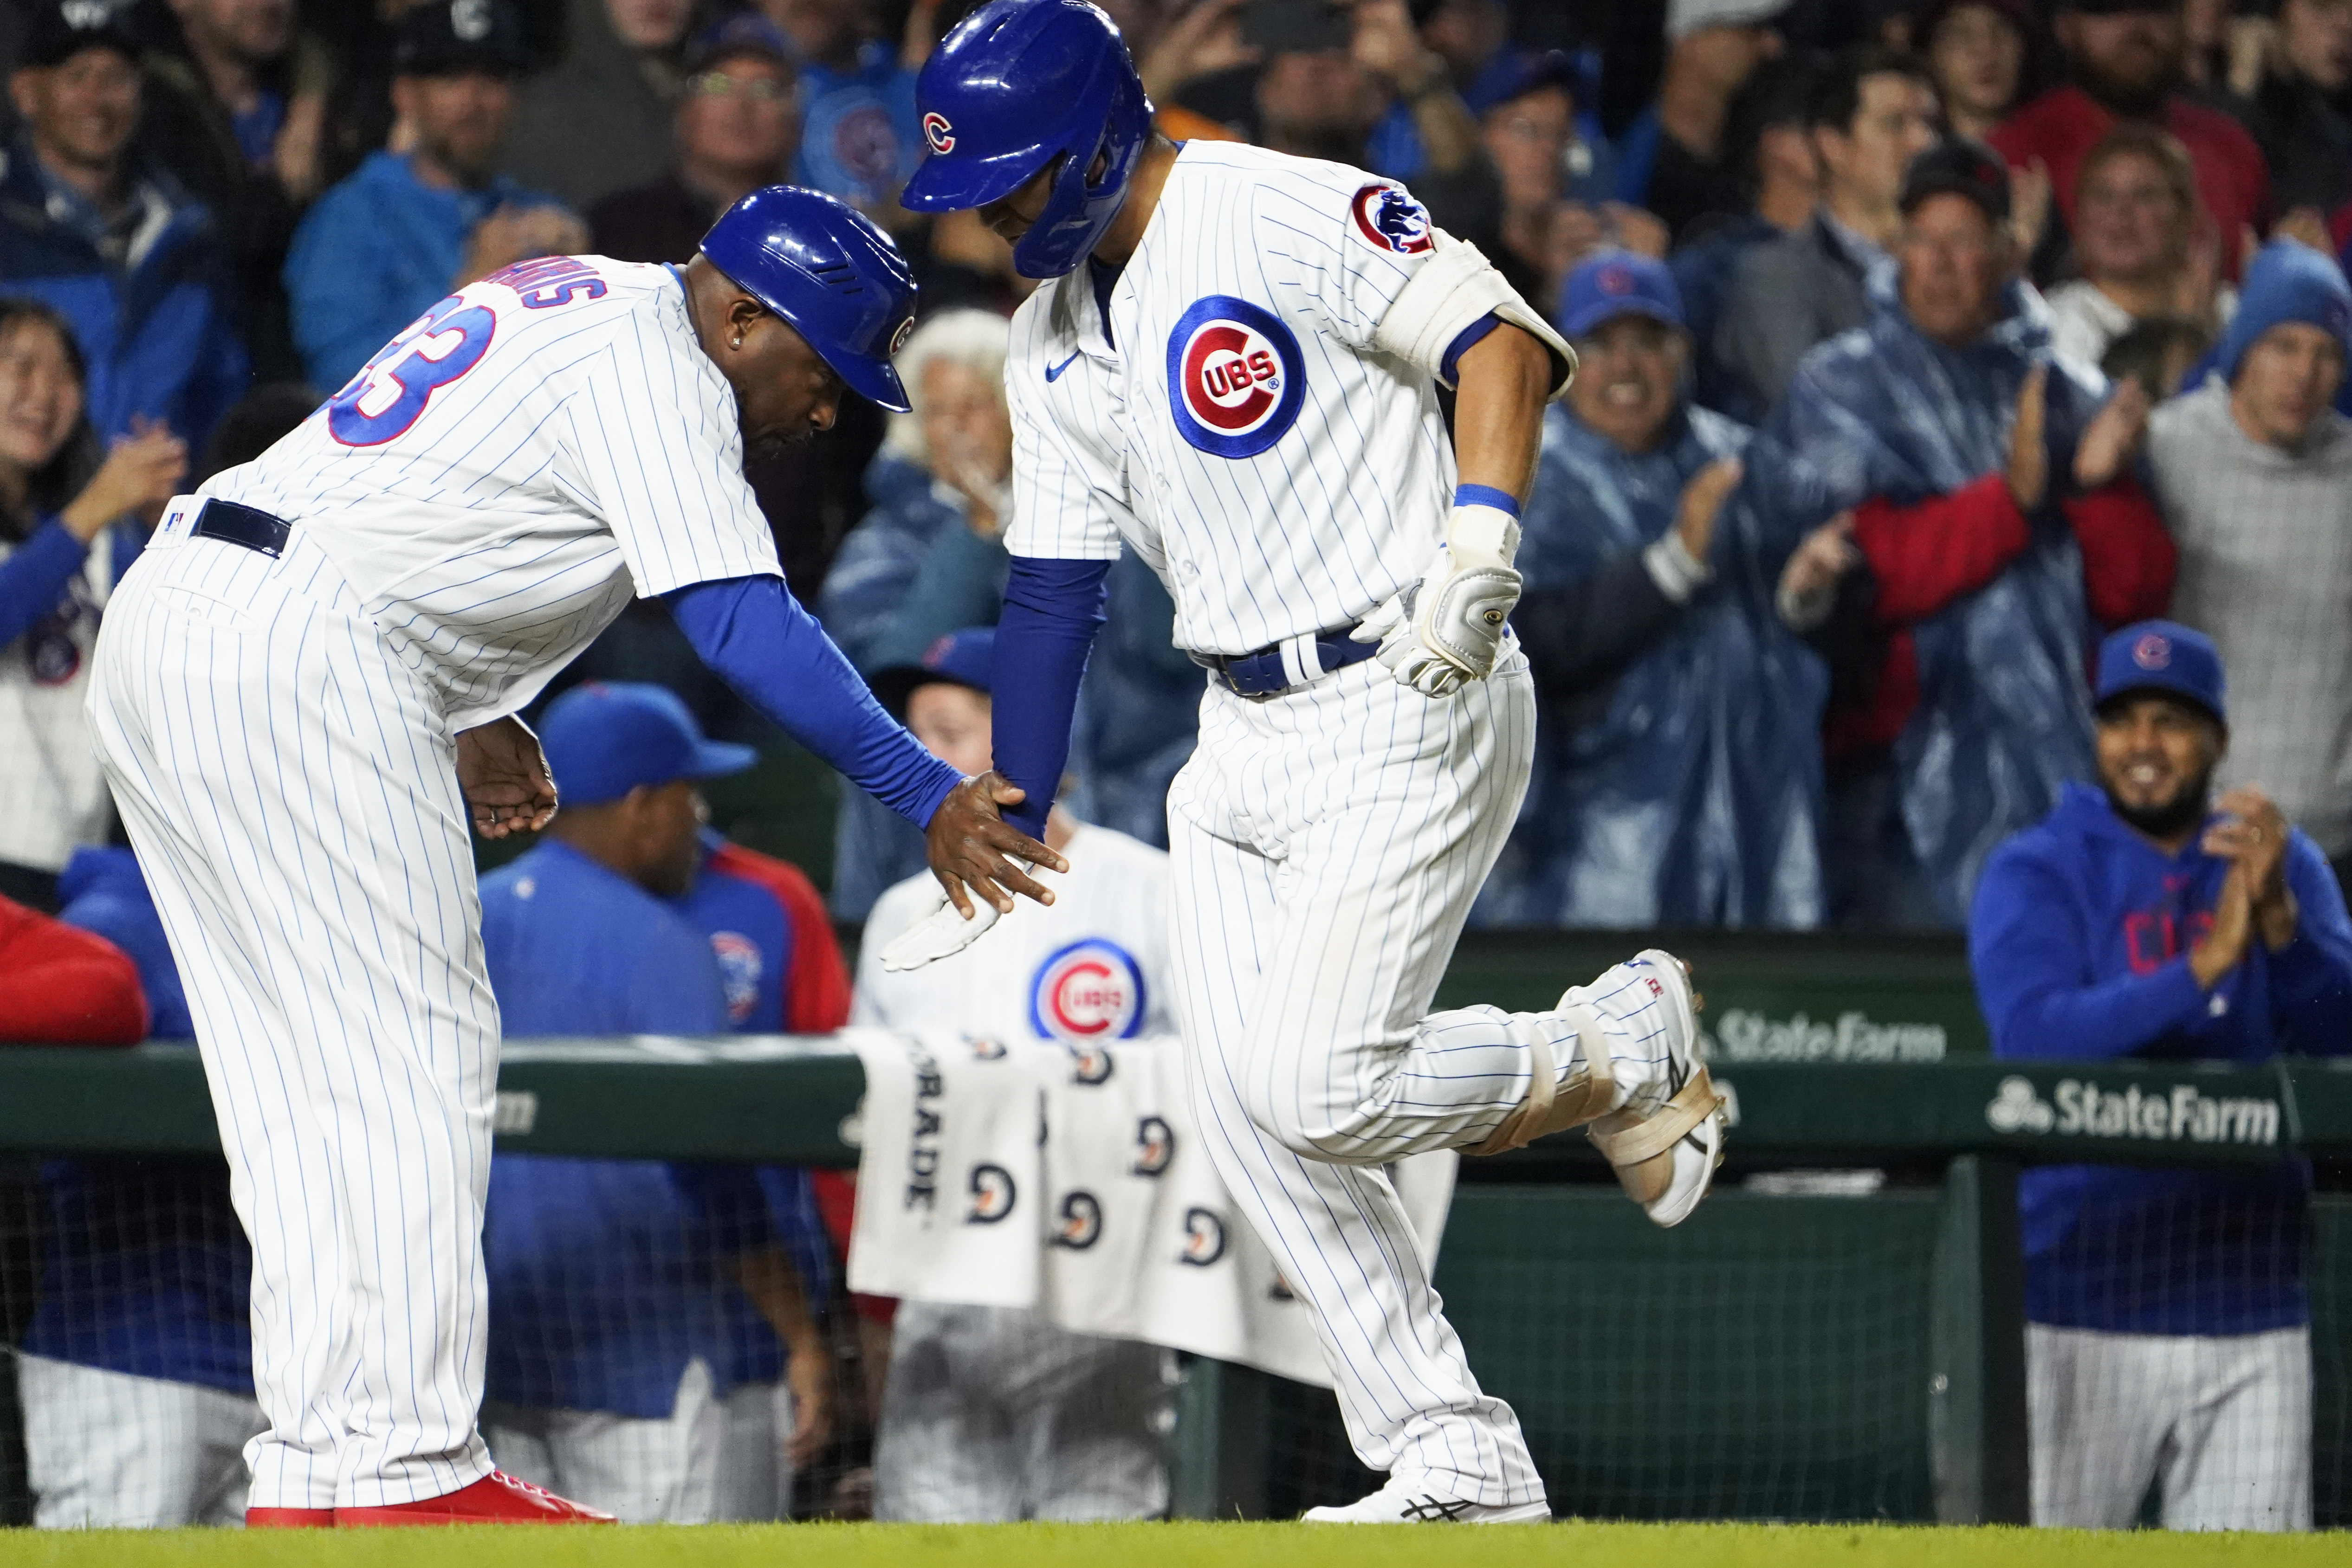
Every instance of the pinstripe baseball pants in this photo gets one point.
(290, 783)
(1328, 844)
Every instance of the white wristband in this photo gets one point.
(1483, 535)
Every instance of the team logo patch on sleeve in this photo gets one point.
(1090, 990)
(1236, 378)
(740, 968)
(1392, 221)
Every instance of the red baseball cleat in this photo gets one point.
(289, 1518)
(497, 1498)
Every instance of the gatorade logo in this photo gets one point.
(1204, 1238)
(1155, 1146)
(1236, 381)
(1081, 1221)
(992, 1195)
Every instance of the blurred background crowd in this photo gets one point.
(1923, 343)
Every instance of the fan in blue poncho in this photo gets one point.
(1989, 545)
(1636, 816)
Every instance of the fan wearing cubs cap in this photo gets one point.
(2169, 1324)
(306, 689)
(1234, 366)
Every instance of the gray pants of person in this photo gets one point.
(2220, 1424)
(994, 1414)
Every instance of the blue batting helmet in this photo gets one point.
(829, 273)
(1015, 85)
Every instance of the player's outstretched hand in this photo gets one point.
(973, 847)
(505, 777)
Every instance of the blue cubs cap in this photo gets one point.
(826, 269)
(1015, 89)
(965, 658)
(606, 737)
(1618, 283)
(2162, 657)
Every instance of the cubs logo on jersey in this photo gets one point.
(1089, 990)
(1236, 379)
(739, 972)
(1392, 221)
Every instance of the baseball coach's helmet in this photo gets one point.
(828, 272)
(1018, 86)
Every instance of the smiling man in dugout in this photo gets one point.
(2169, 1330)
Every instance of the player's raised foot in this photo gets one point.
(497, 1498)
(1406, 1501)
(1666, 1141)
(289, 1519)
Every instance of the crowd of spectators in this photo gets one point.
(1820, 544)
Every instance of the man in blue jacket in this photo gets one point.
(2169, 1336)
(117, 248)
(406, 229)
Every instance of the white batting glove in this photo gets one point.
(1448, 627)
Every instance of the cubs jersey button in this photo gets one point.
(1390, 220)
(1236, 378)
(1091, 989)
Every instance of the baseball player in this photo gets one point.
(306, 688)
(995, 1413)
(1236, 372)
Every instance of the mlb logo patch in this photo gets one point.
(1389, 220)
(1236, 379)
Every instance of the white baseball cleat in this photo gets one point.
(1661, 1131)
(1665, 1154)
(1406, 1503)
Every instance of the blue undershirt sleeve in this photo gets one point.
(778, 659)
(1052, 610)
(34, 576)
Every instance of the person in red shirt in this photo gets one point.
(2125, 61)
(63, 987)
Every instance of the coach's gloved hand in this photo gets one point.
(1448, 627)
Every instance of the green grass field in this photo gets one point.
(1177, 1546)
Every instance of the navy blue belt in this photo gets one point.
(1264, 674)
(249, 525)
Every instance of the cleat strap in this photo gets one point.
(1547, 1109)
(1631, 1144)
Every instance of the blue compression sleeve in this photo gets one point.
(1052, 610)
(779, 661)
(34, 578)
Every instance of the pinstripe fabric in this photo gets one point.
(1310, 533)
(1328, 846)
(289, 780)
(591, 453)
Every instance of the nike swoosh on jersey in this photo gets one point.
(1053, 372)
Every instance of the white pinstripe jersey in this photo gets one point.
(1237, 428)
(501, 480)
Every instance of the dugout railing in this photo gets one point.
(1810, 1346)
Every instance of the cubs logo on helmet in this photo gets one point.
(739, 972)
(992, 1195)
(1204, 1238)
(1081, 1221)
(1091, 989)
(1236, 379)
(938, 132)
(1155, 1146)
(1390, 220)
